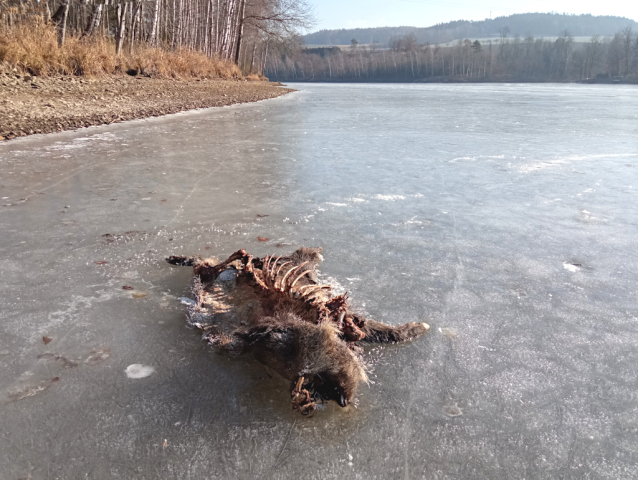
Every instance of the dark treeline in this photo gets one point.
(504, 59)
(239, 31)
(537, 24)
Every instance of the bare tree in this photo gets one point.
(538, 59)
(627, 39)
(593, 52)
(236, 30)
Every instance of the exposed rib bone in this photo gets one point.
(293, 283)
(307, 286)
(282, 285)
(279, 270)
(314, 290)
(310, 287)
(274, 265)
(268, 270)
(296, 269)
(266, 264)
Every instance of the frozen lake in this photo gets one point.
(505, 216)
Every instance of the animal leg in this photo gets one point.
(233, 345)
(207, 269)
(302, 401)
(377, 332)
(182, 261)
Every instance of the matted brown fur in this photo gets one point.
(277, 308)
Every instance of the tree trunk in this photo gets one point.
(265, 57)
(121, 27)
(252, 57)
(153, 38)
(47, 12)
(62, 15)
(240, 30)
(134, 23)
(94, 20)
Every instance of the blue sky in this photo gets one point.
(423, 13)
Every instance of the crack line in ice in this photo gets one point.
(181, 207)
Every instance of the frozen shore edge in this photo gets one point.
(38, 105)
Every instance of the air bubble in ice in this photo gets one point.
(452, 411)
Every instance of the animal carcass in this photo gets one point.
(278, 309)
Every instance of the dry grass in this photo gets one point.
(33, 49)
(255, 77)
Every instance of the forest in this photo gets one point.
(524, 24)
(237, 32)
(507, 58)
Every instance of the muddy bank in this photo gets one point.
(30, 105)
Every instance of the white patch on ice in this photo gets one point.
(454, 160)
(570, 267)
(81, 142)
(137, 370)
(556, 162)
(337, 288)
(448, 332)
(75, 311)
(357, 200)
(590, 218)
(337, 204)
(388, 198)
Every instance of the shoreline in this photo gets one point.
(38, 105)
(468, 81)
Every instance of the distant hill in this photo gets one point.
(536, 24)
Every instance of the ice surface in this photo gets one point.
(529, 370)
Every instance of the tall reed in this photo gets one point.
(32, 48)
